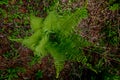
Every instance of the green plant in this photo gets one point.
(111, 34)
(11, 73)
(55, 35)
(2, 13)
(50, 5)
(38, 75)
(3, 2)
(35, 59)
(114, 5)
(108, 76)
(1, 75)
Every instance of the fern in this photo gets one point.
(36, 23)
(55, 35)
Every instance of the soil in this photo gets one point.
(13, 54)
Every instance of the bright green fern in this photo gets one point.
(55, 35)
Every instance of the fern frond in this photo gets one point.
(33, 40)
(36, 23)
(73, 20)
(41, 48)
(17, 40)
(51, 22)
(59, 59)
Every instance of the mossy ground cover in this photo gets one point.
(101, 28)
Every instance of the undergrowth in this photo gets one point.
(55, 35)
(114, 5)
(111, 34)
(3, 1)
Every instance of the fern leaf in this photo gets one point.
(36, 23)
(41, 49)
(59, 59)
(33, 40)
(51, 22)
(73, 20)
(17, 40)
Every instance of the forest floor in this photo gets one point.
(102, 27)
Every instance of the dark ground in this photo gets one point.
(18, 62)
